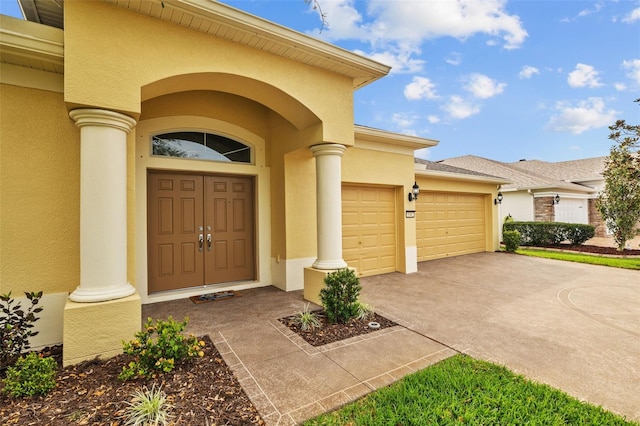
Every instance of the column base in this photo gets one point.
(329, 264)
(101, 294)
(314, 282)
(98, 329)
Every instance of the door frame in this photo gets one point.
(137, 222)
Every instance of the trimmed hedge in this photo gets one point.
(550, 233)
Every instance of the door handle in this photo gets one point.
(200, 241)
(209, 242)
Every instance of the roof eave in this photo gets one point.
(382, 136)
(459, 176)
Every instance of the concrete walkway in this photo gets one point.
(575, 327)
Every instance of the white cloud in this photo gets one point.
(433, 119)
(483, 87)
(632, 17)
(586, 12)
(403, 120)
(423, 153)
(460, 108)
(620, 87)
(395, 29)
(528, 71)
(454, 58)
(634, 70)
(420, 88)
(584, 76)
(586, 115)
(399, 58)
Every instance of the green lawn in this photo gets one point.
(462, 390)
(617, 262)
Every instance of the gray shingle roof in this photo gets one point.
(534, 174)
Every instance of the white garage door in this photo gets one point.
(572, 210)
(450, 224)
(369, 229)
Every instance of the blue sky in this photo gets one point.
(534, 79)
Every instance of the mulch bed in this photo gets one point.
(202, 392)
(329, 333)
(595, 249)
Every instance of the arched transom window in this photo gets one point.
(200, 146)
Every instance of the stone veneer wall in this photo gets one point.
(543, 209)
(595, 219)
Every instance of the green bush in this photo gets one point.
(340, 294)
(16, 326)
(161, 353)
(578, 233)
(31, 375)
(549, 233)
(511, 240)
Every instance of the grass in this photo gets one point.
(616, 262)
(462, 390)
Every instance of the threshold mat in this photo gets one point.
(213, 297)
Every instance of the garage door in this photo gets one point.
(449, 224)
(369, 229)
(571, 210)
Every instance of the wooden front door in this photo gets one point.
(200, 230)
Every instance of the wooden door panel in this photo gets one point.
(175, 206)
(229, 213)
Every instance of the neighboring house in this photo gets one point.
(562, 191)
(153, 151)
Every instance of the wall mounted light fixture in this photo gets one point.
(415, 190)
(555, 200)
(498, 200)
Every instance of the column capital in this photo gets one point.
(327, 149)
(102, 118)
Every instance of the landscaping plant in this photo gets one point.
(148, 407)
(340, 294)
(306, 319)
(158, 348)
(364, 311)
(31, 375)
(16, 326)
(619, 200)
(511, 240)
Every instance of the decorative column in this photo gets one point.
(103, 205)
(329, 205)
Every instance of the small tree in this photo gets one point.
(619, 202)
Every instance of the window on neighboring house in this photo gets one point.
(200, 146)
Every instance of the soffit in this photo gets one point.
(231, 24)
(27, 44)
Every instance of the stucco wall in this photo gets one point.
(113, 70)
(40, 187)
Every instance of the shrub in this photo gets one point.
(16, 326)
(148, 407)
(511, 240)
(31, 375)
(306, 320)
(340, 294)
(578, 233)
(162, 353)
(549, 233)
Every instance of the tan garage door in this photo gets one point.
(369, 229)
(449, 224)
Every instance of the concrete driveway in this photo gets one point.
(575, 327)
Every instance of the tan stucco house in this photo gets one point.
(153, 151)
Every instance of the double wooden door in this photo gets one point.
(200, 230)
